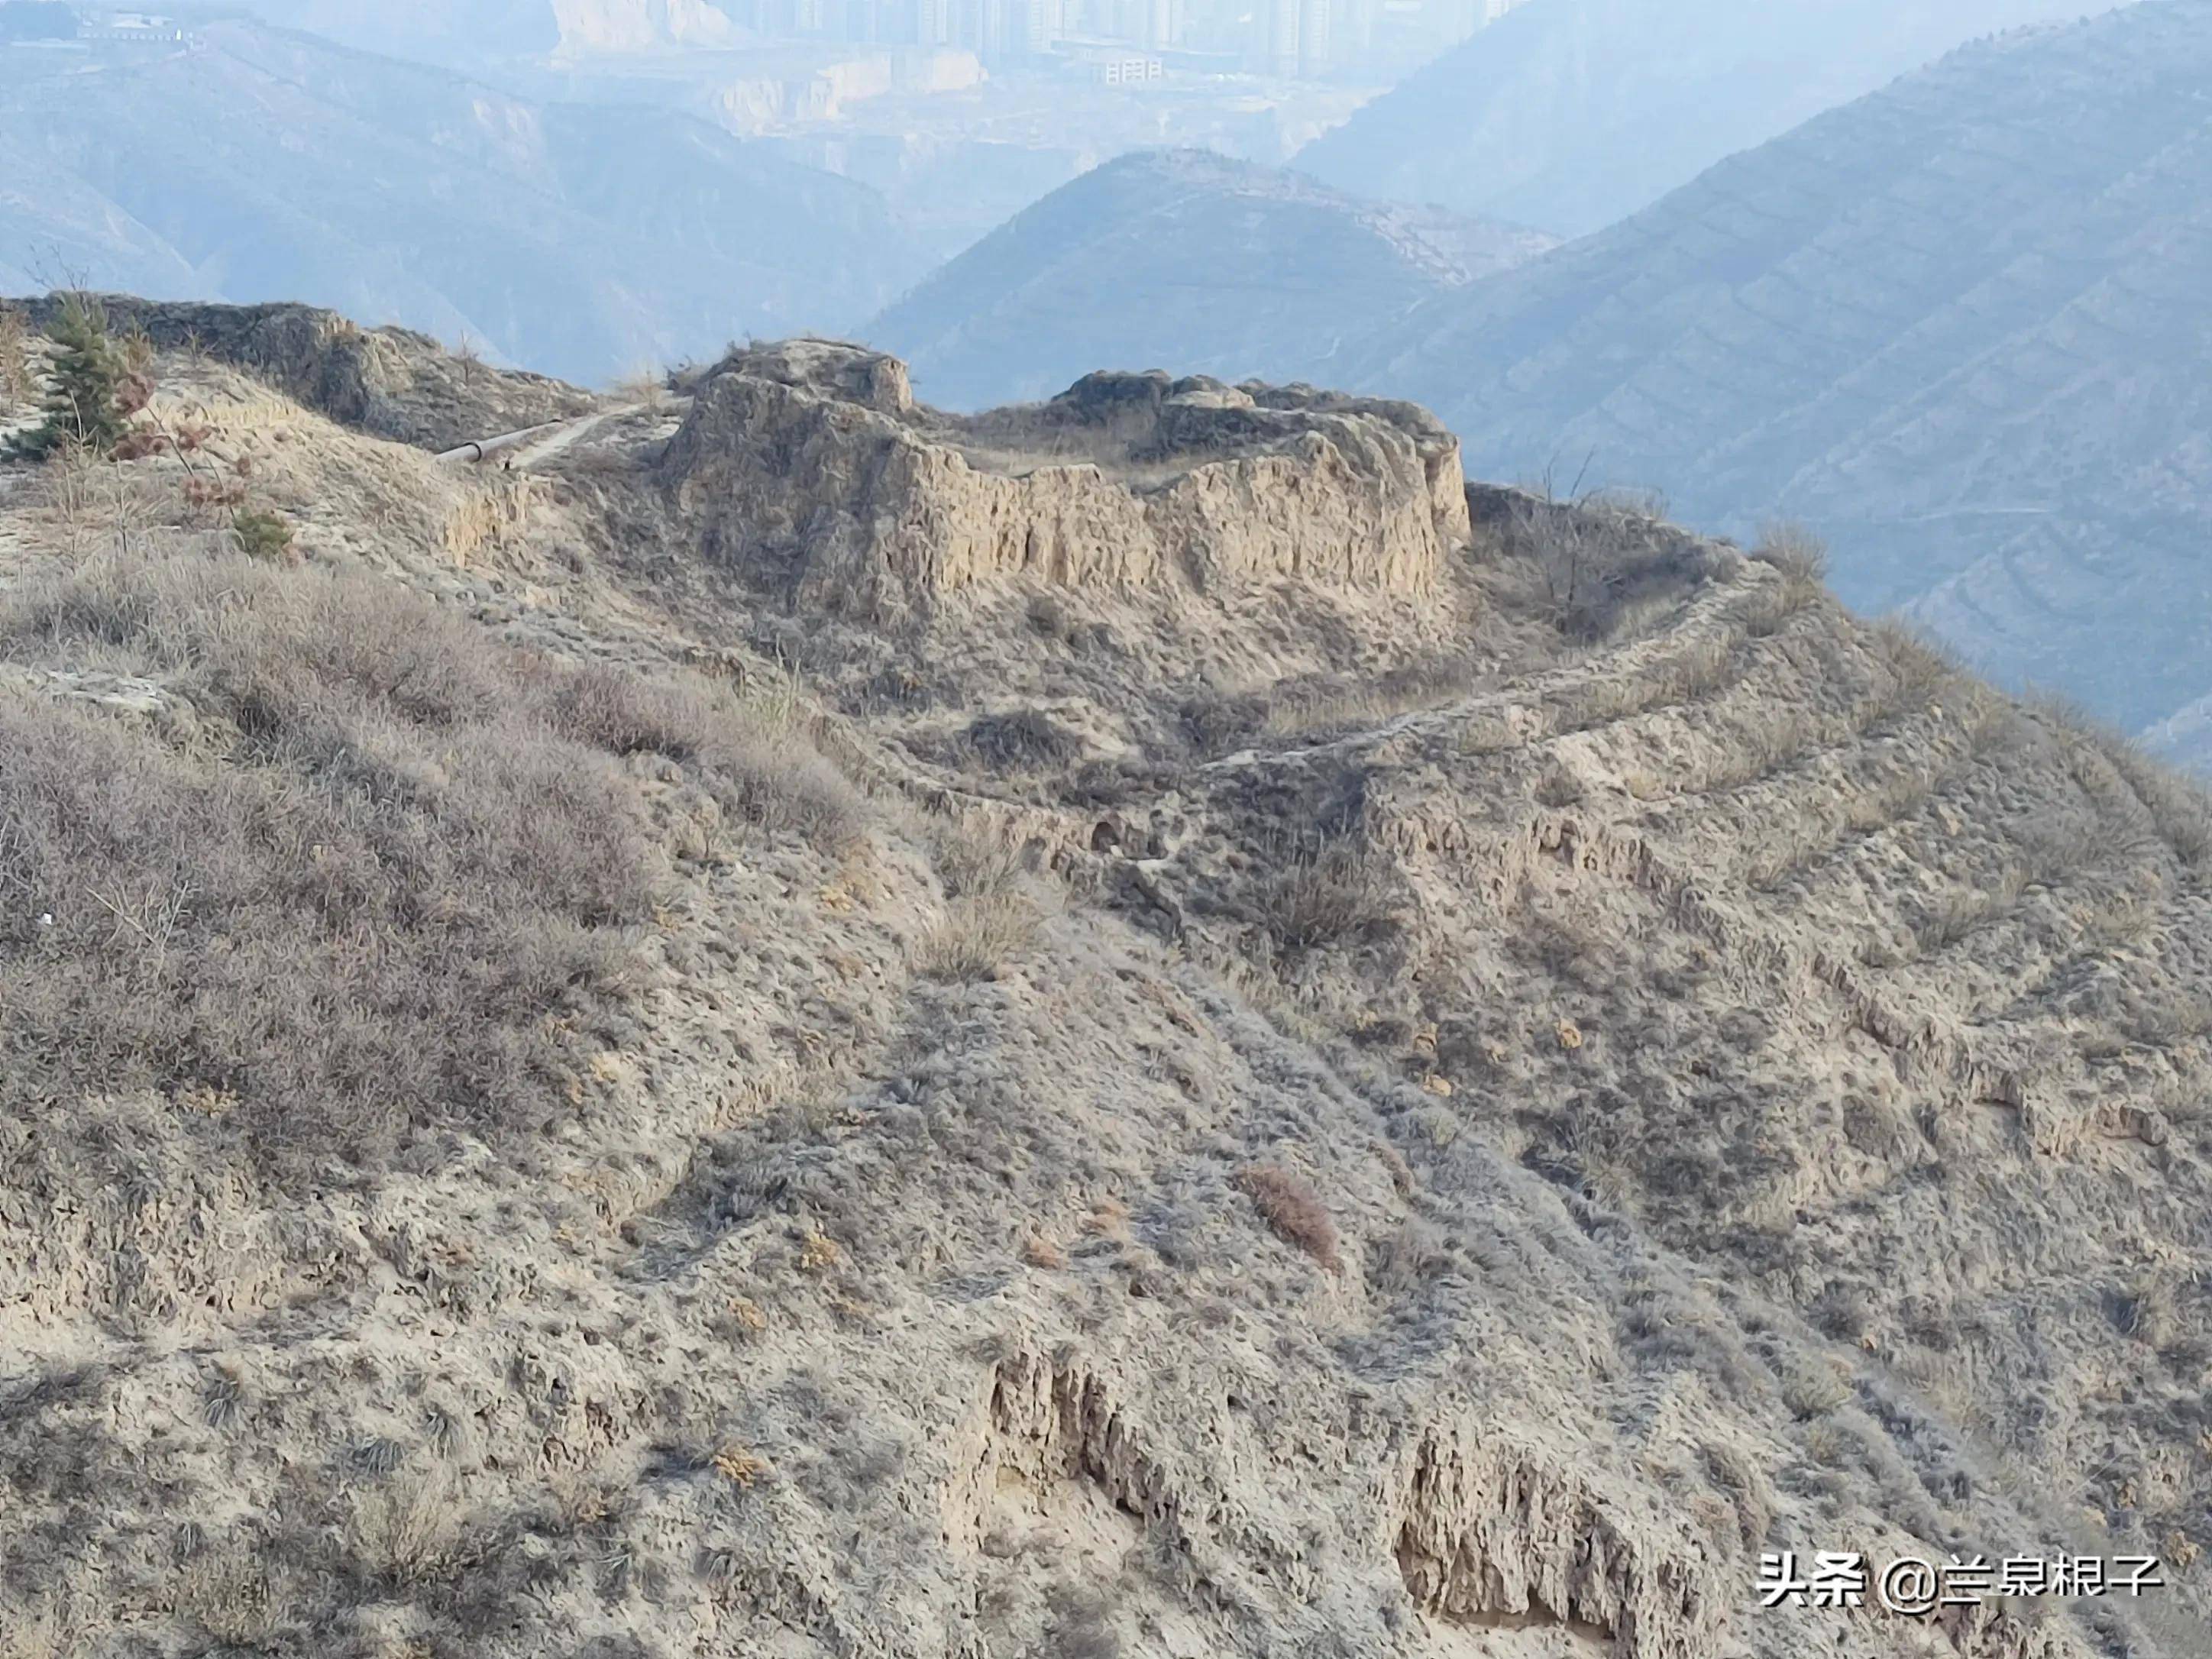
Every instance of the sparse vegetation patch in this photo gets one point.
(375, 878)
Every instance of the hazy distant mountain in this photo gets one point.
(1960, 326)
(1183, 260)
(583, 240)
(465, 29)
(1572, 113)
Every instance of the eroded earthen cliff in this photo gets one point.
(808, 466)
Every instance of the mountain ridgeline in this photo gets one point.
(1185, 260)
(253, 164)
(1569, 114)
(1955, 325)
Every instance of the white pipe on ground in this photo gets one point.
(485, 448)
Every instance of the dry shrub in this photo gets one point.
(1763, 737)
(379, 887)
(1022, 738)
(988, 918)
(756, 755)
(1602, 565)
(1810, 1387)
(973, 866)
(2178, 806)
(1578, 589)
(1288, 1203)
(1314, 896)
(975, 936)
(231, 1597)
(1703, 667)
(646, 386)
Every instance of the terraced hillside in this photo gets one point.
(1182, 258)
(1952, 326)
(1432, 1087)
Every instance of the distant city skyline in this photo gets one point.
(1275, 37)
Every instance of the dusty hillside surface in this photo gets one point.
(255, 164)
(1185, 259)
(1952, 326)
(1574, 114)
(1433, 1091)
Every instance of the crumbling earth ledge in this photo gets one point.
(810, 467)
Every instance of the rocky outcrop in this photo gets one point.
(807, 466)
(390, 382)
(1051, 1424)
(1489, 1535)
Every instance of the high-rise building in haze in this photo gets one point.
(1290, 38)
(1313, 41)
(1280, 44)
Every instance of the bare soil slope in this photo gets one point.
(564, 1096)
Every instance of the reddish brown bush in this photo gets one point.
(1288, 1203)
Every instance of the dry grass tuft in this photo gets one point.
(2179, 807)
(1919, 665)
(403, 1530)
(975, 936)
(1288, 1203)
(1802, 559)
(988, 917)
(1794, 551)
(1342, 703)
